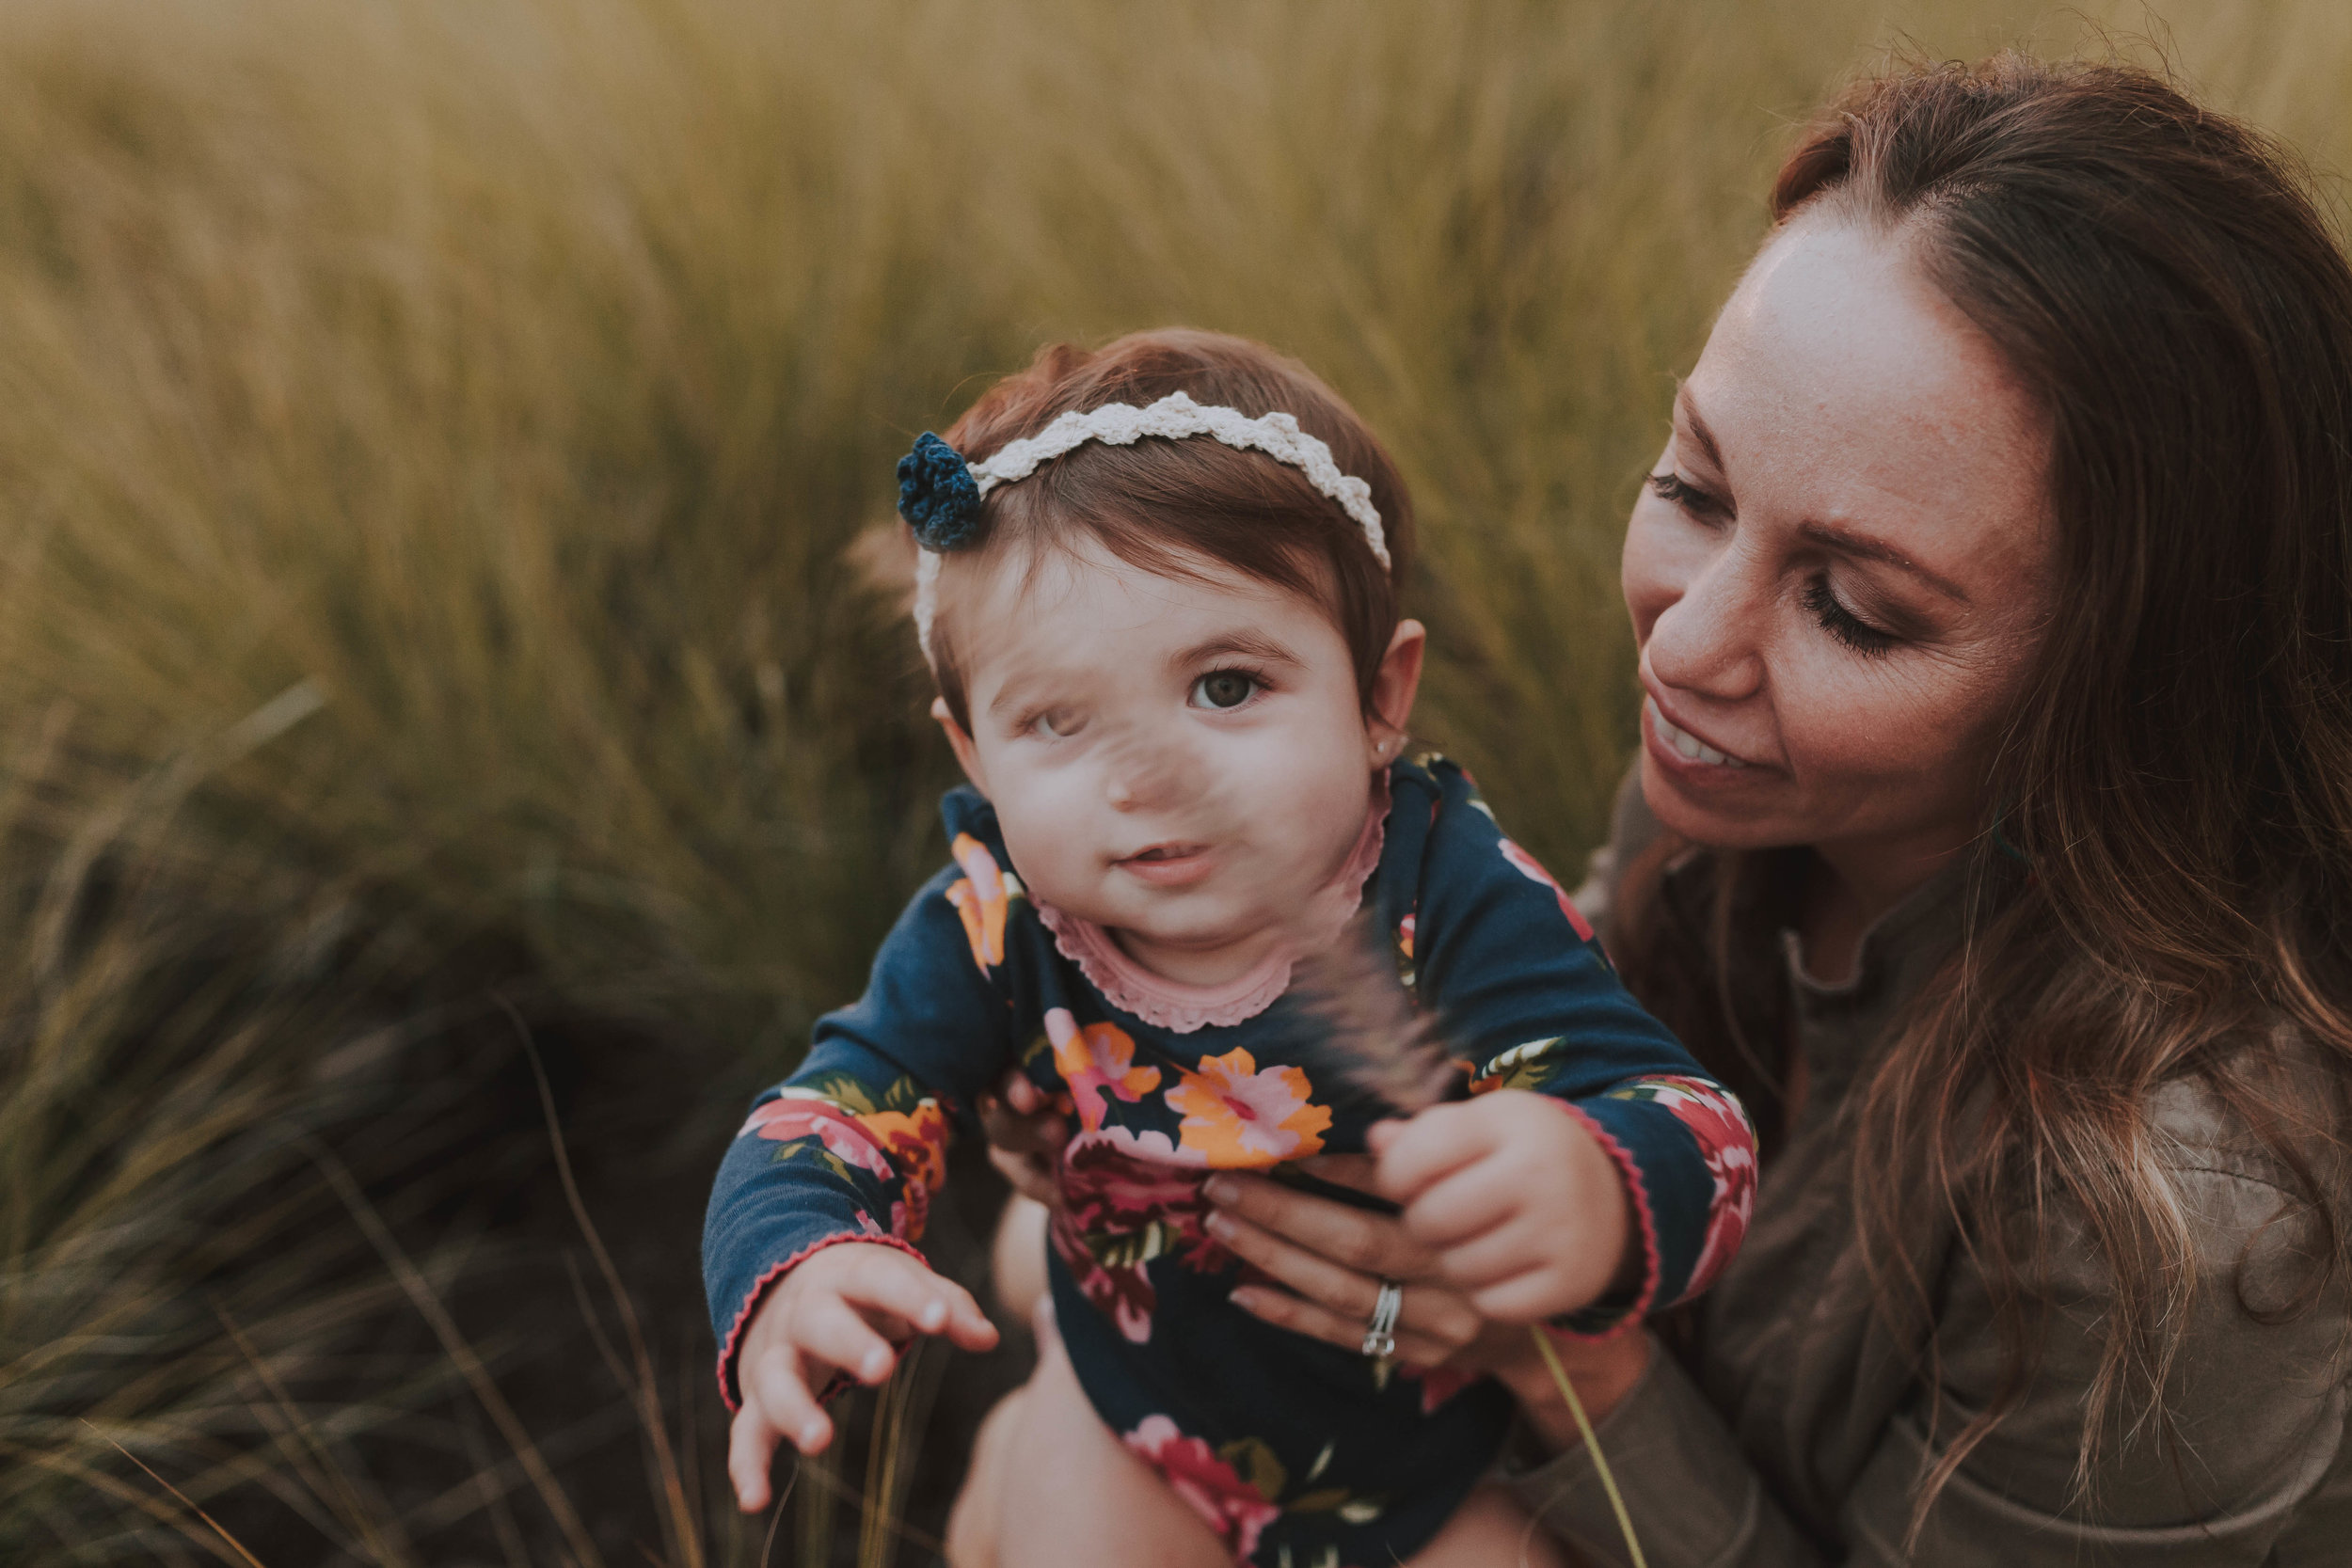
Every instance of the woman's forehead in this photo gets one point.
(1841, 387)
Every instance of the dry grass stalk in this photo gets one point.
(1371, 1033)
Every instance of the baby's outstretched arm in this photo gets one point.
(844, 1309)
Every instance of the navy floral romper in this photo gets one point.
(1299, 1454)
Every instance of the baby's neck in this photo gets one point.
(1214, 966)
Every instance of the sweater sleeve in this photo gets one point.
(851, 1147)
(2258, 1474)
(1514, 972)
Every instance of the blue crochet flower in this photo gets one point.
(937, 495)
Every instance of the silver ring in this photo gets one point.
(1380, 1336)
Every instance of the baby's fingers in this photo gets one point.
(777, 1408)
(922, 1300)
(830, 1330)
(751, 1452)
(1415, 1153)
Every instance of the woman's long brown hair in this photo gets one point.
(2179, 776)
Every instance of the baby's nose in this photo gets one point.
(1145, 772)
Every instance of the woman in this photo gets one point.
(1993, 834)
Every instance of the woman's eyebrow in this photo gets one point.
(1699, 432)
(1234, 644)
(1871, 550)
(1838, 539)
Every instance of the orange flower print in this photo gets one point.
(1238, 1117)
(916, 1141)
(1094, 1059)
(981, 897)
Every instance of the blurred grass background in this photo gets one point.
(429, 437)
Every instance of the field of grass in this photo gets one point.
(430, 433)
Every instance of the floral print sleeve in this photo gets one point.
(1497, 948)
(852, 1146)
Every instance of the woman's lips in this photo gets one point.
(1168, 864)
(1680, 745)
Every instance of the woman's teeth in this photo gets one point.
(1685, 744)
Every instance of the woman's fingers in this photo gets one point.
(1308, 1274)
(1030, 1174)
(1439, 1321)
(1355, 1239)
(1358, 1171)
(1284, 1310)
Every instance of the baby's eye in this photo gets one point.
(1223, 689)
(1057, 724)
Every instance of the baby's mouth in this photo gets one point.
(1163, 854)
(1166, 864)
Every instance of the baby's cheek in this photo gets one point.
(1060, 831)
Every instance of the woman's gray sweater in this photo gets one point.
(1798, 1436)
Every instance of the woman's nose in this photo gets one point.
(1707, 640)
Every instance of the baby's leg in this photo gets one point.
(1491, 1531)
(1065, 1489)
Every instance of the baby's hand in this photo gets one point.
(1524, 1208)
(840, 1309)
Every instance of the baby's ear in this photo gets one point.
(1393, 688)
(967, 755)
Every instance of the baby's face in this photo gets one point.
(1183, 761)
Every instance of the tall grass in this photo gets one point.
(429, 437)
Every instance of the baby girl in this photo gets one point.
(1157, 587)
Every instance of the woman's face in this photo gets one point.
(1838, 567)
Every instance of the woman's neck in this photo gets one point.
(1850, 888)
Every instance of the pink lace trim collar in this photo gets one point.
(1174, 1005)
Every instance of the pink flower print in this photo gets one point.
(1528, 867)
(799, 1114)
(1235, 1511)
(1093, 1059)
(1404, 935)
(982, 900)
(1239, 1118)
(1438, 1383)
(1727, 1143)
(1117, 1213)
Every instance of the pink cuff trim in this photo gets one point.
(1639, 1192)
(1180, 1008)
(767, 1282)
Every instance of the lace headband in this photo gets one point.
(940, 494)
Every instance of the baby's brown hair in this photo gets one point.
(1166, 505)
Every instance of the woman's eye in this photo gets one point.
(1223, 689)
(1674, 490)
(1843, 623)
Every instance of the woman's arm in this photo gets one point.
(2262, 1404)
(2259, 1403)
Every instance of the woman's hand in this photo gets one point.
(1025, 1137)
(1329, 1259)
